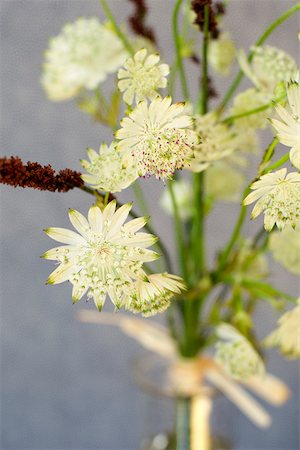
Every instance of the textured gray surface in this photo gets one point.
(66, 385)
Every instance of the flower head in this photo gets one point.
(221, 54)
(215, 141)
(157, 137)
(287, 335)
(236, 354)
(285, 248)
(288, 129)
(247, 100)
(109, 170)
(142, 76)
(269, 66)
(106, 256)
(152, 294)
(278, 195)
(184, 194)
(80, 57)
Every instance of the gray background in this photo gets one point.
(66, 385)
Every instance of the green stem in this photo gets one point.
(183, 413)
(198, 227)
(116, 27)
(235, 235)
(177, 43)
(277, 164)
(230, 119)
(267, 155)
(179, 232)
(259, 42)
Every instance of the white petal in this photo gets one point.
(79, 222)
(95, 218)
(62, 273)
(65, 236)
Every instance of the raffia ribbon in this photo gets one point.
(189, 377)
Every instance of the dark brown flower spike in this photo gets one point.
(137, 20)
(36, 176)
(215, 10)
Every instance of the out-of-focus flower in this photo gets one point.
(216, 141)
(221, 54)
(287, 335)
(246, 101)
(288, 129)
(157, 137)
(142, 77)
(278, 195)
(285, 248)
(80, 57)
(109, 170)
(153, 294)
(236, 354)
(246, 139)
(184, 196)
(224, 182)
(269, 66)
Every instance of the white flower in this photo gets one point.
(152, 294)
(246, 101)
(215, 141)
(157, 137)
(269, 66)
(106, 257)
(109, 170)
(246, 139)
(278, 195)
(80, 57)
(288, 129)
(236, 354)
(184, 198)
(142, 76)
(223, 182)
(221, 53)
(287, 335)
(285, 248)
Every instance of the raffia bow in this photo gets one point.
(195, 378)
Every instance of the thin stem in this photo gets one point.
(179, 62)
(198, 228)
(268, 155)
(235, 235)
(277, 164)
(116, 27)
(230, 119)
(179, 232)
(259, 42)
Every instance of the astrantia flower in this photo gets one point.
(215, 141)
(287, 335)
(221, 53)
(288, 129)
(106, 257)
(278, 195)
(236, 354)
(157, 137)
(246, 101)
(269, 66)
(285, 248)
(153, 294)
(80, 57)
(142, 76)
(109, 170)
(184, 195)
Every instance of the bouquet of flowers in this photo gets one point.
(201, 156)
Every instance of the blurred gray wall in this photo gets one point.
(66, 385)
